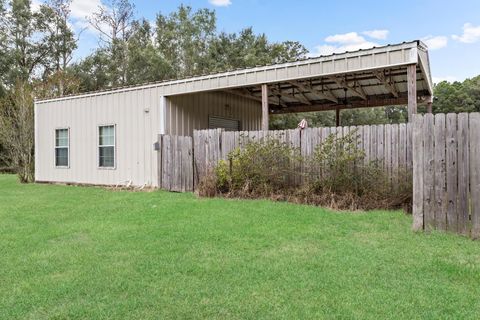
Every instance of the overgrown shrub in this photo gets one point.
(333, 167)
(335, 175)
(258, 169)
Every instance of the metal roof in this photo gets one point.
(372, 71)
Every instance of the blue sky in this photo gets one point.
(450, 28)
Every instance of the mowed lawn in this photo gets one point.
(88, 253)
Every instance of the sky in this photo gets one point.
(451, 29)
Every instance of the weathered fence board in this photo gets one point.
(418, 164)
(175, 165)
(474, 134)
(463, 173)
(428, 172)
(446, 173)
(451, 167)
(440, 179)
(390, 145)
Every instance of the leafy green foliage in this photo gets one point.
(336, 175)
(334, 165)
(183, 43)
(260, 168)
(17, 131)
(339, 173)
(457, 96)
(365, 116)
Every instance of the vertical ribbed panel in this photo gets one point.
(186, 113)
(136, 115)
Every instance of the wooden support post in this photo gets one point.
(337, 117)
(429, 107)
(264, 107)
(429, 104)
(412, 90)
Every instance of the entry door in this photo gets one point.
(215, 122)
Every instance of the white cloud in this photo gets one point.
(345, 38)
(470, 34)
(220, 3)
(343, 42)
(35, 5)
(435, 43)
(445, 78)
(81, 9)
(377, 34)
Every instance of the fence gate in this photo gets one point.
(446, 173)
(175, 163)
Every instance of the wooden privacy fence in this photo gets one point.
(446, 173)
(389, 144)
(175, 163)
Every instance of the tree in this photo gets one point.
(22, 52)
(183, 39)
(246, 49)
(457, 96)
(93, 71)
(145, 63)
(113, 21)
(17, 130)
(36, 48)
(61, 41)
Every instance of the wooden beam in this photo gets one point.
(244, 93)
(265, 109)
(376, 102)
(278, 92)
(412, 90)
(303, 98)
(358, 91)
(327, 95)
(380, 75)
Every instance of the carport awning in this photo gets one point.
(364, 78)
(381, 76)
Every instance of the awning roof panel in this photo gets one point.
(357, 69)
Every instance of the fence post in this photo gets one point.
(159, 160)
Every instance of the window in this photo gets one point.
(106, 146)
(62, 145)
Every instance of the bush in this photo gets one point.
(334, 165)
(336, 175)
(258, 169)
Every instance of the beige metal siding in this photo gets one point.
(136, 115)
(185, 113)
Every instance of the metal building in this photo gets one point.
(108, 137)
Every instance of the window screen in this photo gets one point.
(225, 123)
(106, 146)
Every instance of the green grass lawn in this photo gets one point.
(88, 253)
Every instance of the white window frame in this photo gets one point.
(61, 147)
(114, 146)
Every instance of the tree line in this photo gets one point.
(37, 49)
